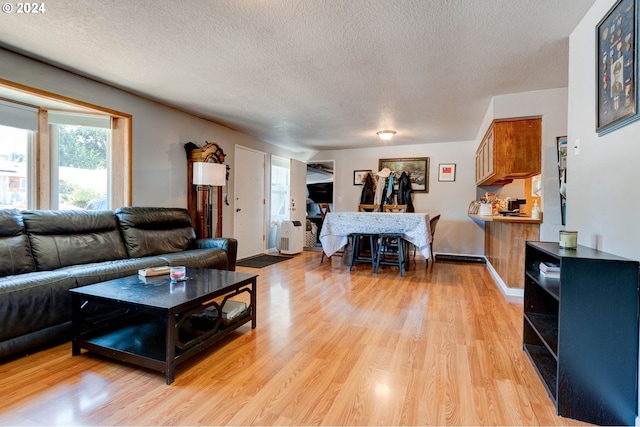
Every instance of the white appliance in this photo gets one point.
(291, 237)
(485, 209)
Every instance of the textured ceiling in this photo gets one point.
(312, 74)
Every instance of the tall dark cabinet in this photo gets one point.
(581, 331)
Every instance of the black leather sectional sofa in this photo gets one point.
(43, 254)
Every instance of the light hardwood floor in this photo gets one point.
(439, 346)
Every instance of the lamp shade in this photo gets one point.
(213, 174)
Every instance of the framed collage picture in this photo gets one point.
(617, 67)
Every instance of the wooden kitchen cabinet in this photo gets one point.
(511, 149)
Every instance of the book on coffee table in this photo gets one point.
(154, 271)
(230, 309)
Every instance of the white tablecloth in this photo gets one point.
(338, 225)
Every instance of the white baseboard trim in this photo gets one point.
(506, 290)
(509, 293)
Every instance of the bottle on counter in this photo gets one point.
(535, 211)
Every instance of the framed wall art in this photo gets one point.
(562, 175)
(617, 67)
(447, 172)
(359, 176)
(417, 168)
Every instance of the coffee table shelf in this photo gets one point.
(162, 327)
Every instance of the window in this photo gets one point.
(80, 146)
(17, 125)
(14, 167)
(59, 153)
(279, 189)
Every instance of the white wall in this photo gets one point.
(159, 133)
(602, 196)
(456, 233)
(602, 180)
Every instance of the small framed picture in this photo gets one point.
(359, 176)
(447, 172)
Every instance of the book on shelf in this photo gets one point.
(230, 309)
(549, 267)
(550, 274)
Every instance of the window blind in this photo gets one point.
(78, 119)
(18, 116)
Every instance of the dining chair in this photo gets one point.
(364, 244)
(433, 223)
(368, 208)
(394, 208)
(392, 248)
(324, 209)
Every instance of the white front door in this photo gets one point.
(298, 189)
(249, 221)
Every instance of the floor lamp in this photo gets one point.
(205, 176)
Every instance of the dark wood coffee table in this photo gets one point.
(158, 324)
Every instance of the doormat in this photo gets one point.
(260, 261)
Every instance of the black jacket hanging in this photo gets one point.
(404, 192)
(368, 191)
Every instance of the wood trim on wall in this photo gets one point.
(42, 152)
(121, 162)
(88, 107)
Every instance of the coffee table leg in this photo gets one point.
(76, 324)
(172, 338)
(253, 304)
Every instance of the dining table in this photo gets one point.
(338, 226)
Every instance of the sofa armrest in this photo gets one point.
(229, 244)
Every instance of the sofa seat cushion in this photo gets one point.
(88, 274)
(62, 238)
(155, 231)
(199, 258)
(33, 301)
(15, 253)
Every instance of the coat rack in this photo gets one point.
(204, 202)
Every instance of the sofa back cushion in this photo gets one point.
(155, 231)
(62, 238)
(15, 253)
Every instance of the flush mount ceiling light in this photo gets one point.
(386, 135)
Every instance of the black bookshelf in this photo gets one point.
(580, 331)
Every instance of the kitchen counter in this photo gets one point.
(502, 218)
(504, 243)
